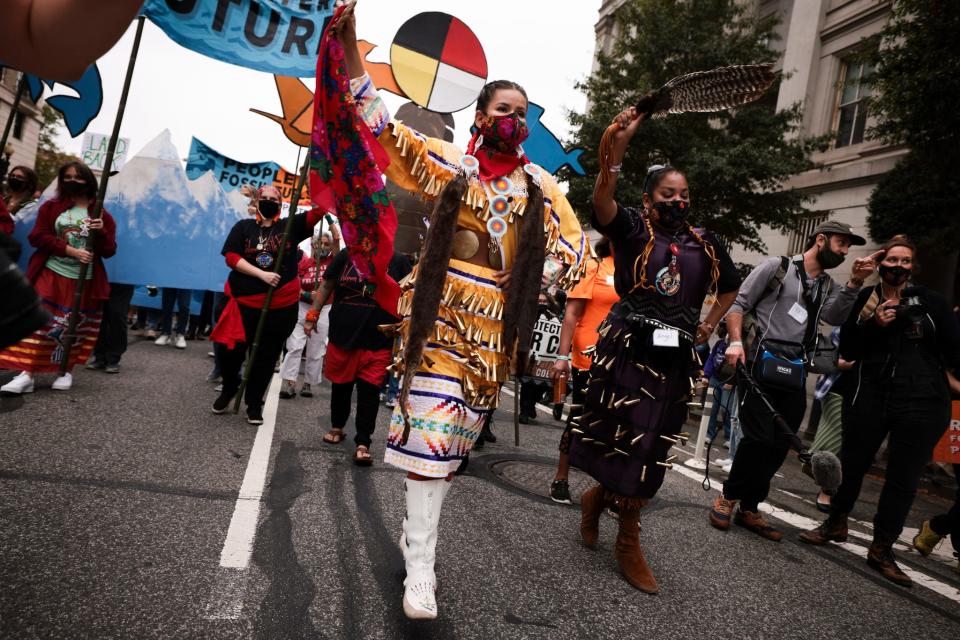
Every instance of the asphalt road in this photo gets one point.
(117, 500)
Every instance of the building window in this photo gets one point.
(18, 123)
(853, 95)
(804, 229)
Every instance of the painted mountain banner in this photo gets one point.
(276, 36)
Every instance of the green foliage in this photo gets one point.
(917, 80)
(736, 161)
(918, 88)
(50, 157)
(919, 198)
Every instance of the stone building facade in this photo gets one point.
(819, 43)
(25, 133)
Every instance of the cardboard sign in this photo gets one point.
(93, 152)
(948, 449)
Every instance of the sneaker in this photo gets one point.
(112, 368)
(63, 383)
(721, 462)
(306, 391)
(727, 467)
(926, 539)
(726, 444)
(721, 512)
(254, 415)
(23, 383)
(213, 376)
(218, 388)
(222, 402)
(753, 521)
(390, 401)
(181, 342)
(288, 391)
(211, 354)
(96, 365)
(150, 334)
(560, 492)
(162, 341)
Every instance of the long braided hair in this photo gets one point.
(655, 176)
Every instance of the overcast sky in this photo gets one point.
(546, 46)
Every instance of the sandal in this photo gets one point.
(334, 436)
(362, 457)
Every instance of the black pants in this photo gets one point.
(279, 324)
(530, 394)
(914, 413)
(112, 341)
(763, 448)
(949, 523)
(368, 404)
(578, 393)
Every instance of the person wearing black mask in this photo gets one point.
(641, 377)
(60, 236)
(904, 340)
(21, 188)
(778, 312)
(252, 249)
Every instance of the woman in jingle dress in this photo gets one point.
(644, 367)
(498, 215)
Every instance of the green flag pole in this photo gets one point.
(294, 202)
(74, 318)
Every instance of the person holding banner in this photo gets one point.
(472, 299)
(311, 270)
(251, 251)
(904, 341)
(59, 236)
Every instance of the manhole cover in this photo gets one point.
(535, 477)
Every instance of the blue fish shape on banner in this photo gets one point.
(276, 36)
(78, 111)
(545, 149)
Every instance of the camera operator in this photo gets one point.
(778, 310)
(904, 339)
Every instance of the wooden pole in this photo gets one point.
(294, 201)
(21, 86)
(70, 336)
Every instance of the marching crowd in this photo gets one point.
(632, 340)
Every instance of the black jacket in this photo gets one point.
(922, 347)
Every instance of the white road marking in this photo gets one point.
(238, 546)
(803, 522)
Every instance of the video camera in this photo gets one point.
(911, 304)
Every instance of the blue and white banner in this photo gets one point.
(276, 36)
(227, 171)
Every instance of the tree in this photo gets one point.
(736, 161)
(917, 86)
(50, 157)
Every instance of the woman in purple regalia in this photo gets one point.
(643, 370)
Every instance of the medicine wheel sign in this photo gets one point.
(438, 62)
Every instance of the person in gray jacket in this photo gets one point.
(788, 298)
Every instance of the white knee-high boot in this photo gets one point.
(419, 545)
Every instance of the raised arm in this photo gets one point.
(604, 206)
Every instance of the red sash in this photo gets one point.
(229, 329)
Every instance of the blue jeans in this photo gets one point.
(725, 398)
(171, 297)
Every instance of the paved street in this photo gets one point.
(128, 510)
